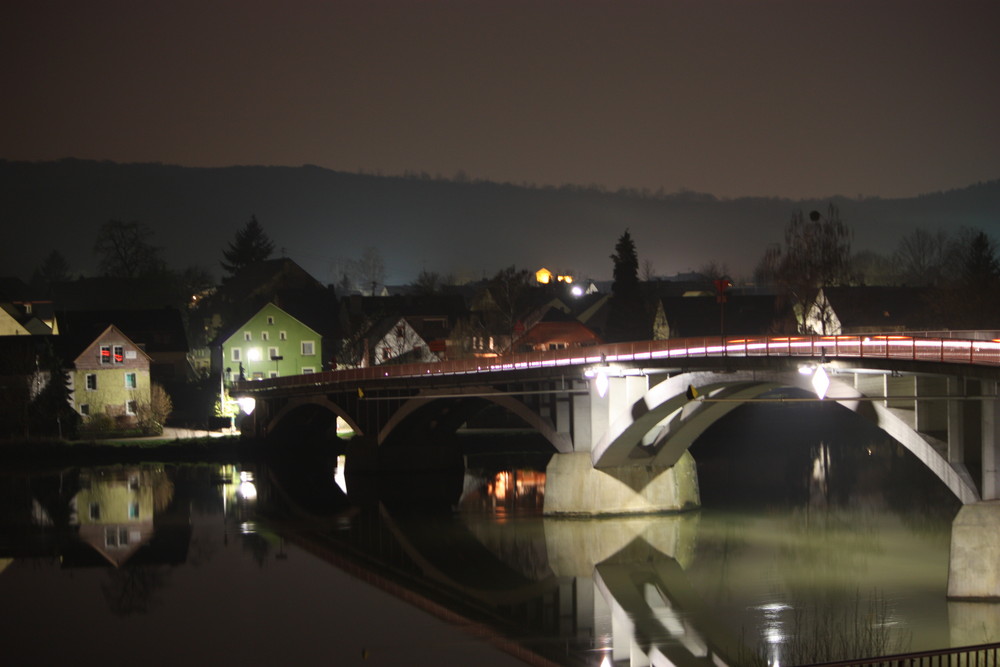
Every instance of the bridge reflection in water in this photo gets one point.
(697, 588)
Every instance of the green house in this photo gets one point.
(272, 343)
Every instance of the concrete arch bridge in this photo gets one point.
(622, 416)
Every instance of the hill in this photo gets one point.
(322, 218)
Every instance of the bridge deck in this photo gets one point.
(893, 346)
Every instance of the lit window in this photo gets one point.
(130, 381)
(247, 335)
(105, 354)
(263, 335)
(119, 354)
(236, 354)
(308, 348)
(91, 381)
(283, 335)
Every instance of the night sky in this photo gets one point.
(809, 98)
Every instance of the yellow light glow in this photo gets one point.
(543, 276)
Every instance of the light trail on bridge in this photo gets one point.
(890, 346)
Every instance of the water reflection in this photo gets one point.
(262, 545)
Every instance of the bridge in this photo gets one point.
(621, 417)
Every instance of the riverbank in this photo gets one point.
(174, 445)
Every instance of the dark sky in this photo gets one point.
(806, 98)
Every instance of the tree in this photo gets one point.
(920, 257)
(152, 415)
(428, 282)
(369, 271)
(124, 250)
(509, 293)
(251, 245)
(627, 318)
(816, 254)
(53, 269)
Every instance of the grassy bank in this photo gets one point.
(49, 453)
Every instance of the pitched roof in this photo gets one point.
(879, 307)
(750, 314)
(155, 330)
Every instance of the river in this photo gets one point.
(818, 539)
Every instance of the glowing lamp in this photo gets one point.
(820, 382)
(247, 404)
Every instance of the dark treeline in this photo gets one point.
(458, 225)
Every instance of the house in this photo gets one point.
(859, 310)
(396, 341)
(27, 318)
(741, 314)
(555, 329)
(271, 343)
(414, 326)
(159, 332)
(108, 373)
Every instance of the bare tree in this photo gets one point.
(816, 255)
(921, 257)
(125, 250)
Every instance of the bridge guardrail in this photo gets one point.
(876, 346)
(985, 655)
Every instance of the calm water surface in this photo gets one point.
(269, 564)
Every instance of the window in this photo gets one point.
(236, 354)
(247, 335)
(307, 370)
(283, 335)
(263, 335)
(105, 354)
(270, 319)
(91, 381)
(130, 381)
(119, 354)
(85, 409)
(95, 511)
(272, 374)
(116, 537)
(130, 407)
(273, 354)
(308, 348)
(258, 375)
(133, 510)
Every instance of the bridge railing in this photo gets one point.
(985, 655)
(874, 346)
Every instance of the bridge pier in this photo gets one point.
(573, 486)
(974, 566)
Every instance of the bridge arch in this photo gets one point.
(660, 426)
(559, 441)
(297, 404)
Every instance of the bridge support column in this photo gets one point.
(991, 442)
(956, 422)
(974, 566)
(574, 487)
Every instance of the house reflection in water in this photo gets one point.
(115, 508)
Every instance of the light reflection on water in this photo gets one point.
(233, 547)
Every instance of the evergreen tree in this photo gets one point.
(627, 318)
(250, 245)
